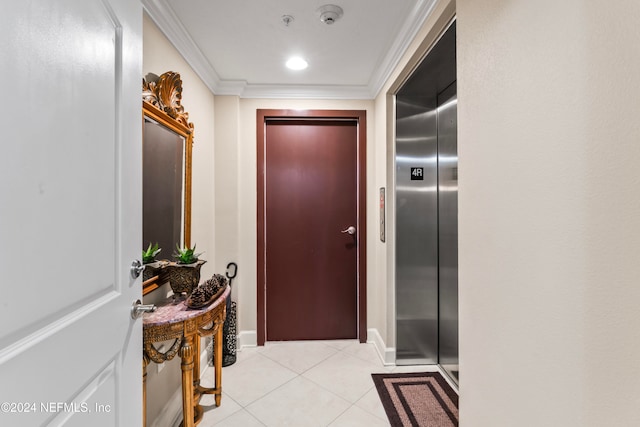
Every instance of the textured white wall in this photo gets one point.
(549, 211)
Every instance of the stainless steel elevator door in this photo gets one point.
(426, 212)
(448, 230)
(416, 232)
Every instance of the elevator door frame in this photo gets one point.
(442, 85)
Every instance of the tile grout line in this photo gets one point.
(300, 373)
(336, 350)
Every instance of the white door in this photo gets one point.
(70, 212)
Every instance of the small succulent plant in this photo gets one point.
(150, 254)
(186, 255)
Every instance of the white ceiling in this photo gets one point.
(239, 47)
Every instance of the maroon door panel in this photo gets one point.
(311, 185)
(310, 197)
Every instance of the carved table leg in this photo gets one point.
(186, 354)
(218, 364)
(197, 390)
(217, 330)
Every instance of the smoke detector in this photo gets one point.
(330, 13)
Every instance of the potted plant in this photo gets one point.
(186, 255)
(149, 260)
(149, 255)
(184, 274)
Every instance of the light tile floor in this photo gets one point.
(302, 383)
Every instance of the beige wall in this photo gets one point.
(160, 56)
(549, 209)
(227, 129)
(549, 212)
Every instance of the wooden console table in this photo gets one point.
(173, 320)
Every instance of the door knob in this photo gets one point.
(137, 309)
(350, 230)
(136, 268)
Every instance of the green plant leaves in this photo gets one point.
(150, 254)
(186, 255)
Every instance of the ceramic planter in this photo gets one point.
(183, 278)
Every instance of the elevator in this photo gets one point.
(427, 212)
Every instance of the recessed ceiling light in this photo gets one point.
(297, 63)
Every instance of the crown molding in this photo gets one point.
(409, 31)
(306, 92)
(169, 24)
(167, 21)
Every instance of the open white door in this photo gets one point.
(70, 213)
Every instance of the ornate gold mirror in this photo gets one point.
(166, 184)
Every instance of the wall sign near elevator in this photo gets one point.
(417, 174)
(382, 219)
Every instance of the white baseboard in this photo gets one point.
(247, 339)
(387, 354)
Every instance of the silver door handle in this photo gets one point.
(136, 268)
(137, 309)
(350, 230)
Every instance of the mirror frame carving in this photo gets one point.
(161, 102)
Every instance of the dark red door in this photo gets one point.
(311, 183)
